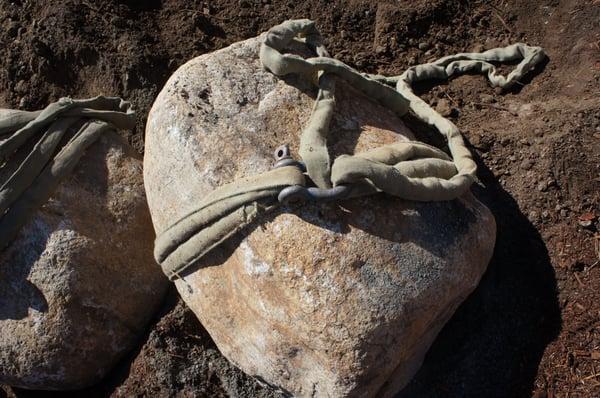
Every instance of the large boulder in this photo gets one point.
(79, 283)
(323, 300)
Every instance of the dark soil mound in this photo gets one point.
(532, 326)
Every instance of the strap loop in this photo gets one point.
(410, 170)
(34, 178)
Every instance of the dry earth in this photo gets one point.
(532, 328)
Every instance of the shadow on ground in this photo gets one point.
(493, 344)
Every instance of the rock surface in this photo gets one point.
(79, 283)
(319, 300)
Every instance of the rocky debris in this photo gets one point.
(424, 46)
(380, 49)
(586, 220)
(477, 48)
(79, 283)
(487, 98)
(318, 300)
(444, 108)
(527, 164)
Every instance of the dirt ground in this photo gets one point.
(532, 327)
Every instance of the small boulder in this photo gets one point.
(79, 283)
(443, 108)
(423, 46)
(317, 299)
(487, 99)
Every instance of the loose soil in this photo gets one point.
(532, 327)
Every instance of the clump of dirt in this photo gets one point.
(532, 327)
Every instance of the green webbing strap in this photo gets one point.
(13, 119)
(313, 141)
(119, 113)
(33, 164)
(406, 169)
(33, 179)
(383, 175)
(410, 170)
(321, 69)
(220, 215)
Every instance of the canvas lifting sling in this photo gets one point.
(30, 180)
(409, 170)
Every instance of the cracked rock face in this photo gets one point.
(79, 283)
(319, 300)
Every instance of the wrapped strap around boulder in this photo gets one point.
(409, 170)
(74, 233)
(319, 299)
(38, 174)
